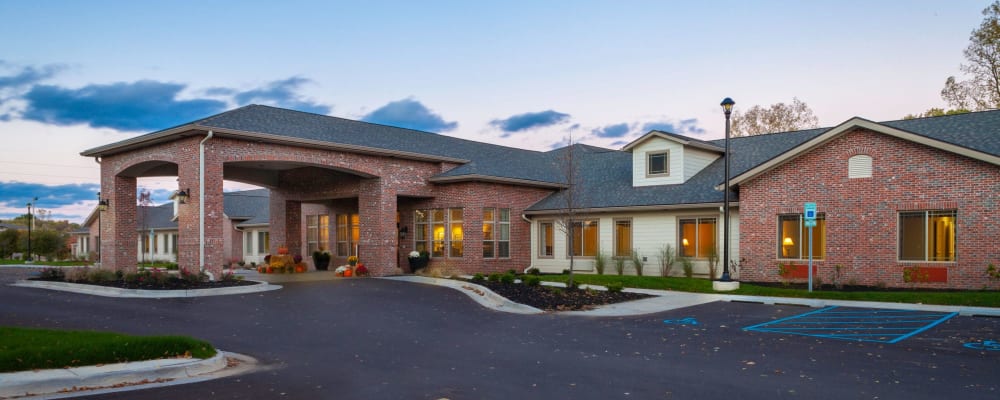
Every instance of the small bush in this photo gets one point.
(53, 274)
(512, 272)
(620, 265)
(101, 276)
(192, 277)
(534, 271)
(77, 274)
(600, 262)
(507, 278)
(532, 280)
(688, 266)
(494, 277)
(478, 277)
(615, 287)
(637, 261)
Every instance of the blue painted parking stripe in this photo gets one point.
(789, 318)
(882, 326)
(944, 318)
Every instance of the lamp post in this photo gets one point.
(102, 206)
(727, 107)
(29, 229)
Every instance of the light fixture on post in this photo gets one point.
(727, 108)
(183, 195)
(102, 206)
(30, 223)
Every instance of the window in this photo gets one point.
(247, 242)
(545, 236)
(623, 238)
(420, 231)
(445, 228)
(348, 234)
(263, 242)
(496, 233)
(658, 163)
(585, 238)
(317, 232)
(793, 237)
(455, 227)
(859, 166)
(697, 237)
(173, 243)
(927, 235)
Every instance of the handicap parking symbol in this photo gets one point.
(683, 321)
(988, 345)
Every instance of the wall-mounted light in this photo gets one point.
(183, 195)
(102, 204)
(402, 232)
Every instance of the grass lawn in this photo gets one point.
(697, 285)
(45, 263)
(23, 349)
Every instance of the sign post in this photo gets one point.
(809, 218)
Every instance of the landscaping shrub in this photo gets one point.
(620, 265)
(53, 274)
(534, 271)
(667, 258)
(507, 278)
(77, 274)
(615, 287)
(600, 262)
(637, 262)
(688, 266)
(478, 277)
(101, 275)
(532, 280)
(494, 277)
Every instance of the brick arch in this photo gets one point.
(859, 151)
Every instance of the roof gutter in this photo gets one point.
(659, 207)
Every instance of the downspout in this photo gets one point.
(201, 204)
(528, 220)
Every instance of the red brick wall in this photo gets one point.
(862, 214)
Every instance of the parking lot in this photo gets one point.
(374, 338)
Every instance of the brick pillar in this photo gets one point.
(119, 237)
(378, 245)
(189, 214)
(285, 223)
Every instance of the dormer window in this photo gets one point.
(658, 163)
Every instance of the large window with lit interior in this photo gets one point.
(793, 237)
(496, 232)
(439, 231)
(317, 232)
(927, 235)
(348, 234)
(697, 237)
(585, 240)
(546, 236)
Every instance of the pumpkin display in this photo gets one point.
(348, 272)
(300, 268)
(283, 250)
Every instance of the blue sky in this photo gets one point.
(76, 75)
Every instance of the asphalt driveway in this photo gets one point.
(382, 339)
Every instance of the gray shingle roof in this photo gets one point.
(248, 207)
(608, 177)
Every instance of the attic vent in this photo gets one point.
(859, 166)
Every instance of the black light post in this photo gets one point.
(102, 206)
(727, 107)
(29, 229)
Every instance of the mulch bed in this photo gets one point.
(558, 299)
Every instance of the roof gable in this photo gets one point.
(684, 140)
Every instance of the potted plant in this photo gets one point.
(352, 260)
(322, 260)
(418, 260)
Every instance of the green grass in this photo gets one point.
(46, 263)
(23, 349)
(961, 298)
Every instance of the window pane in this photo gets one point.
(546, 237)
(503, 249)
(455, 214)
(577, 238)
(488, 214)
(487, 231)
(911, 236)
(789, 237)
(456, 249)
(267, 243)
(437, 215)
(623, 238)
(487, 249)
(941, 235)
(819, 238)
(688, 239)
(419, 216)
(658, 163)
(706, 237)
(504, 215)
(504, 232)
(590, 239)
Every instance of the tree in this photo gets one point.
(982, 90)
(937, 112)
(778, 117)
(48, 243)
(572, 195)
(9, 242)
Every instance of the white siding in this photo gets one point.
(696, 160)
(650, 232)
(675, 162)
(163, 247)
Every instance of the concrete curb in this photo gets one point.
(666, 300)
(144, 293)
(480, 294)
(142, 373)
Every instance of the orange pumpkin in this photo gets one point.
(283, 250)
(348, 272)
(269, 270)
(300, 268)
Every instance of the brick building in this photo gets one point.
(900, 201)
